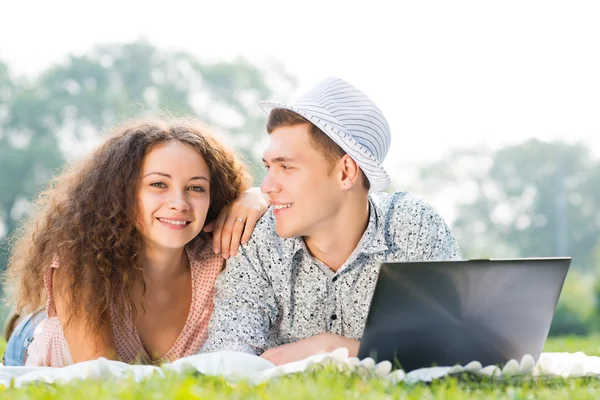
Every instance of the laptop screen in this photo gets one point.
(449, 312)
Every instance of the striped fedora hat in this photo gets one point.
(351, 120)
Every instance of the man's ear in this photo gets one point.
(349, 172)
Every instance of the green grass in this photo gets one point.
(590, 345)
(328, 383)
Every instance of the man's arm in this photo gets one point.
(321, 343)
(244, 305)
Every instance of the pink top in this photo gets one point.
(49, 346)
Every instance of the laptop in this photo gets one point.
(443, 313)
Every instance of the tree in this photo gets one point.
(531, 199)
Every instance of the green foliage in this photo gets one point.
(531, 199)
(589, 345)
(555, 186)
(576, 308)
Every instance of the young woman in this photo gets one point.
(117, 253)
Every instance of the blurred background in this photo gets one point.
(494, 106)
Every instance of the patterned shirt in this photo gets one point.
(274, 292)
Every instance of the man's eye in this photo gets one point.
(266, 167)
(199, 189)
(158, 184)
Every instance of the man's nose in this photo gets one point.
(269, 184)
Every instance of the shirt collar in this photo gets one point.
(297, 244)
(373, 240)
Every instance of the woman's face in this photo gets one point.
(173, 195)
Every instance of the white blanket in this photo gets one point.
(235, 366)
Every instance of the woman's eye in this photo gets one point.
(266, 167)
(158, 185)
(197, 189)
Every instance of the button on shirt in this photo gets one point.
(274, 292)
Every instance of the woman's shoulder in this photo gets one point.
(199, 244)
(54, 263)
(200, 252)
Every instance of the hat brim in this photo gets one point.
(379, 179)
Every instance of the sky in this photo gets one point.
(445, 73)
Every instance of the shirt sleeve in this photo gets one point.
(423, 231)
(245, 306)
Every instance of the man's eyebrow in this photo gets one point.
(279, 159)
(200, 177)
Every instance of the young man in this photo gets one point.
(303, 283)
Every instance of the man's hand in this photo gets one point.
(322, 343)
(236, 221)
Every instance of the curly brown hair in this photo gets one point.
(87, 218)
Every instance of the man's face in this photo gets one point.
(303, 189)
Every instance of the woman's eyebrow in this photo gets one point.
(200, 177)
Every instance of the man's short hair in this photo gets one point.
(318, 139)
